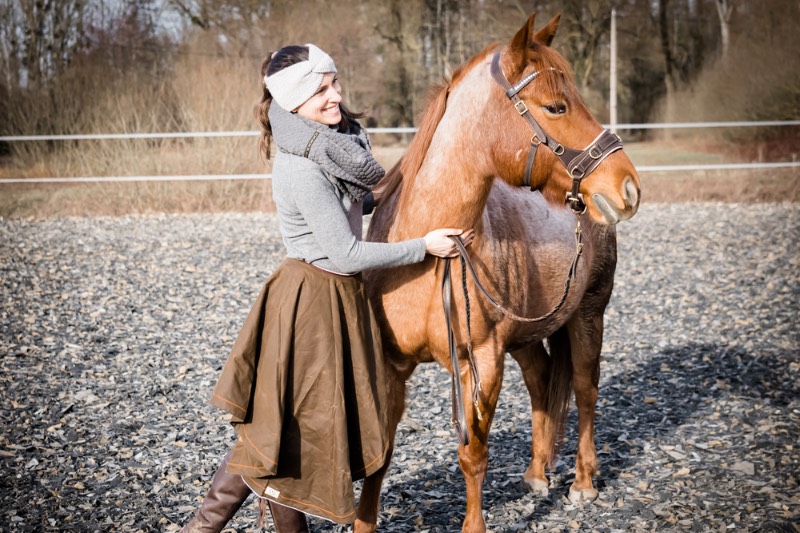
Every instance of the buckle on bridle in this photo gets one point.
(521, 107)
(576, 203)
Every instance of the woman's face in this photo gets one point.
(323, 107)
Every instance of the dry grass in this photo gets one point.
(743, 186)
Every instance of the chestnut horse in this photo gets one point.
(464, 169)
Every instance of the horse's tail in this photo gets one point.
(559, 391)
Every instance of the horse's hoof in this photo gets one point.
(539, 487)
(578, 496)
(363, 527)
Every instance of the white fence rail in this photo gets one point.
(214, 177)
(253, 133)
(181, 177)
(167, 135)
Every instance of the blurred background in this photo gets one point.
(146, 66)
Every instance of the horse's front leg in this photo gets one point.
(534, 362)
(586, 339)
(474, 458)
(397, 370)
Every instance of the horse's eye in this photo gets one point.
(556, 109)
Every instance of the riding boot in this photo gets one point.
(225, 495)
(287, 520)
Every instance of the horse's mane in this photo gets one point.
(432, 114)
(411, 161)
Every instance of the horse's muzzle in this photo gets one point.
(630, 198)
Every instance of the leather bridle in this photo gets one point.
(579, 163)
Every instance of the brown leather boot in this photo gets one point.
(225, 495)
(287, 520)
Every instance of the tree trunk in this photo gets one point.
(725, 10)
(669, 63)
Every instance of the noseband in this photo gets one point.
(579, 163)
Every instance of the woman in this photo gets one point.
(304, 381)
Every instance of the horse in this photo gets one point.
(469, 166)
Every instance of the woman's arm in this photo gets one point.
(322, 210)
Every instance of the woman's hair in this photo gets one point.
(275, 62)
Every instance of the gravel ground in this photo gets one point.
(114, 331)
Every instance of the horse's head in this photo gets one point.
(546, 137)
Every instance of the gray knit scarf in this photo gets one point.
(345, 156)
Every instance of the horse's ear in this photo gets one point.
(519, 47)
(546, 34)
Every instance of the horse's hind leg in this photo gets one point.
(547, 378)
(398, 370)
(474, 458)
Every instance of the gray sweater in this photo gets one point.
(322, 226)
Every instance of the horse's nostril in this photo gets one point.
(631, 193)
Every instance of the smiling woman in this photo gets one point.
(315, 95)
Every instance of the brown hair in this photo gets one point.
(275, 62)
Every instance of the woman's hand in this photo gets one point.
(438, 242)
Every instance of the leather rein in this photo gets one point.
(579, 164)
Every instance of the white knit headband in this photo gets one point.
(293, 85)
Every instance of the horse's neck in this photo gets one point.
(453, 183)
(448, 194)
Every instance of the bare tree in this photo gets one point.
(41, 38)
(725, 12)
(400, 31)
(585, 26)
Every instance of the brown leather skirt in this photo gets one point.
(304, 384)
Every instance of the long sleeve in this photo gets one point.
(320, 225)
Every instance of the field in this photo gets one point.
(38, 200)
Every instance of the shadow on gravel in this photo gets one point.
(675, 388)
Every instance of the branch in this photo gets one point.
(196, 19)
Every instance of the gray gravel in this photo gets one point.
(114, 330)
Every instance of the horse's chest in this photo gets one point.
(415, 322)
